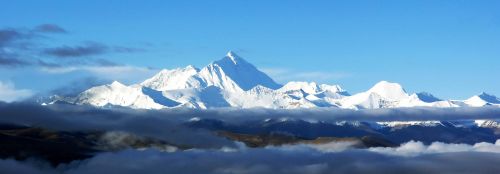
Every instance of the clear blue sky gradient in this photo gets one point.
(450, 48)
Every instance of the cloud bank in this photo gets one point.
(300, 159)
(411, 148)
(214, 154)
(81, 118)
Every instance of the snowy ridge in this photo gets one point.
(114, 94)
(233, 82)
(483, 99)
(488, 123)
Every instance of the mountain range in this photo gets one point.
(234, 82)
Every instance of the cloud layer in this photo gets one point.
(218, 155)
(301, 159)
(9, 93)
(80, 118)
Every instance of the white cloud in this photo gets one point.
(414, 148)
(9, 93)
(326, 147)
(411, 148)
(284, 75)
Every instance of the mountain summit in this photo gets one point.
(483, 99)
(392, 91)
(233, 71)
(233, 82)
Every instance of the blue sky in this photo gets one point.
(448, 48)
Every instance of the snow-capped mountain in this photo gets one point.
(482, 99)
(233, 82)
(230, 73)
(389, 95)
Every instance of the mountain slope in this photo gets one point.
(180, 78)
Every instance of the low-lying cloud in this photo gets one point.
(214, 154)
(24, 111)
(414, 148)
(168, 124)
(82, 118)
(336, 114)
(301, 159)
(411, 148)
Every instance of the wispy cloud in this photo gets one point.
(49, 28)
(9, 93)
(10, 61)
(87, 49)
(284, 75)
(21, 47)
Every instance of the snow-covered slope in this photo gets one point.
(180, 78)
(117, 94)
(233, 82)
(482, 99)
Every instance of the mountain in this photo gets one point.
(382, 95)
(234, 82)
(234, 73)
(482, 99)
(231, 73)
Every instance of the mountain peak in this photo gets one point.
(389, 90)
(231, 54)
(231, 58)
(116, 84)
(489, 98)
(233, 72)
(385, 85)
(427, 97)
(190, 67)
